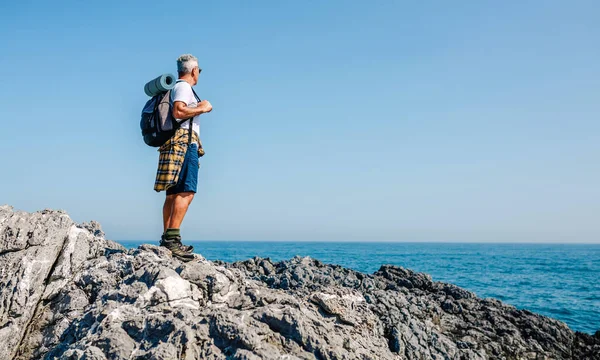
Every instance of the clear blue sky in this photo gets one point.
(333, 120)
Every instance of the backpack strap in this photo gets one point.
(191, 120)
(191, 130)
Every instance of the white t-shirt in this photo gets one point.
(183, 92)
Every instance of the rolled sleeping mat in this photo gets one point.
(161, 84)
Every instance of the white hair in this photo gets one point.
(186, 63)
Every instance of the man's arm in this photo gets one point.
(182, 111)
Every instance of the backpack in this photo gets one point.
(158, 124)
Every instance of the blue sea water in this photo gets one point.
(560, 281)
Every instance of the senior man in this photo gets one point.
(178, 161)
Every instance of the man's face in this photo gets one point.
(196, 74)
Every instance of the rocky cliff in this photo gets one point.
(67, 293)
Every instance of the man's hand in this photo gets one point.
(205, 106)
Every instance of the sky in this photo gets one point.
(463, 121)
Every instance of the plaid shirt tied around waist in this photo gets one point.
(170, 160)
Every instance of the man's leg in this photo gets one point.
(178, 200)
(181, 202)
(175, 208)
(168, 211)
(174, 211)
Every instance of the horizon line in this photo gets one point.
(387, 242)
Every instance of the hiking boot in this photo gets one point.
(186, 248)
(176, 249)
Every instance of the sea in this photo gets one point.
(557, 280)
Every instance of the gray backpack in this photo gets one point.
(157, 123)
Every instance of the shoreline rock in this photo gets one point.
(68, 293)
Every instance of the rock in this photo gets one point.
(452, 307)
(68, 293)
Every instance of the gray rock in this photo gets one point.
(68, 293)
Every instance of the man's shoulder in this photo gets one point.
(182, 91)
(182, 85)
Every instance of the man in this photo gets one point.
(178, 162)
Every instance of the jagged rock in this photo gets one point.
(68, 293)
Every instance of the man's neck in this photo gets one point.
(188, 79)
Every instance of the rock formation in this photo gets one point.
(67, 293)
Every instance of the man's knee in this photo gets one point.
(184, 198)
(190, 196)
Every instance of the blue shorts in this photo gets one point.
(188, 177)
